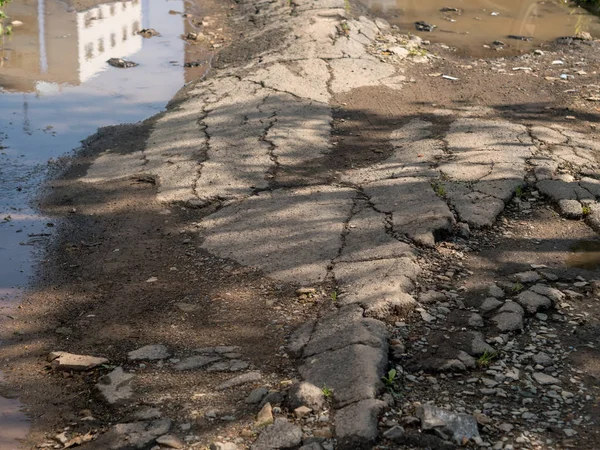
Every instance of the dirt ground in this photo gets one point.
(94, 294)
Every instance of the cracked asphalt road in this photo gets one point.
(268, 152)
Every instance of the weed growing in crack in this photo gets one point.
(519, 192)
(390, 379)
(439, 189)
(334, 296)
(327, 392)
(390, 382)
(586, 210)
(344, 29)
(518, 287)
(486, 359)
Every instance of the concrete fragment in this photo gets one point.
(508, 321)
(544, 379)
(305, 394)
(489, 304)
(533, 302)
(264, 416)
(379, 286)
(343, 327)
(356, 424)
(239, 380)
(171, 441)
(137, 435)
(256, 396)
(281, 435)
(361, 378)
(78, 363)
(300, 338)
(547, 291)
(116, 387)
(195, 362)
(149, 353)
(459, 426)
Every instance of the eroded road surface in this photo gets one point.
(345, 237)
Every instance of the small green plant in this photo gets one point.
(439, 189)
(334, 296)
(328, 393)
(417, 52)
(390, 379)
(518, 287)
(486, 359)
(347, 6)
(519, 192)
(586, 210)
(345, 28)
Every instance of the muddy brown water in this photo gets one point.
(56, 89)
(585, 255)
(479, 23)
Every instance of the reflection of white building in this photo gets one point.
(107, 31)
(65, 45)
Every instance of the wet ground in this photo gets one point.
(483, 27)
(56, 89)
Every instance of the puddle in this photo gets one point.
(13, 422)
(55, 90)
(585, 255)
(481, 22)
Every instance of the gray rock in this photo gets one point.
(431, 297)
(533, 302)
(394, 433)
(195, 362)
(354, 372)
(544, 379)
(542, 358)
(223, 446)
(305, 394)
(508, 321)
(311, 446)
(459, 426)
(300, 338)
(510, 306)
(149, 353)
(489, 304)
(146, 413)
(356, 425)
(239, 380)
(552, 293)
(463, 230)
(281, 435)
(343, 327)
(475, 321)
(478, 345)
(256, 396)
(275, 398)
(496, 291)
(571, 209)
(171, 441)
(116, 387)
(380, 286)
(77, 363)
(530, 276)
(136, 435)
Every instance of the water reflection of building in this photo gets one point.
(63, 45)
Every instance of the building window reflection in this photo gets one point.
(89, 51)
